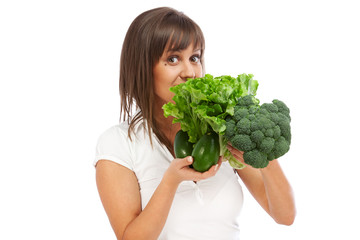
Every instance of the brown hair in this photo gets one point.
(144, 44)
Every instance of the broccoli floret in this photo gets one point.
(282, 107)
(257, 136)
(270, 107)
(251, 117)
(243, 126)
(255, 125)
(253, 109)
(269, 132)
(284, 124)
(281, 147)
(256, 159)
(261, 131)
(242, 142)
(263, 111)
(240, 113)
(247, 100)
(265, 122)
(274, 117)
(277, 132)
(267, 145)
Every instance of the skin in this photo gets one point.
(118, 187)
(270, 188)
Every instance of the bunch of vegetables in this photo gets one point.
(211, 111)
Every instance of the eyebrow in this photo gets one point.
(174, 50)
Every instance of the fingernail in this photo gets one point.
(189, 159)
(216, 166)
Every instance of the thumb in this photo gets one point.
(186, 161)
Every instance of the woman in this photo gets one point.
(149, 194)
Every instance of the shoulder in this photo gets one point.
(114, 144)
(118, 131)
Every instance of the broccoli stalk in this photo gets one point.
(227, 156)
(261, 131)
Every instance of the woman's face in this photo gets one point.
(175, 67)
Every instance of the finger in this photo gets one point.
(220, 161)
(232, 149)
(235, 151)
(209, 173)
(238, 155)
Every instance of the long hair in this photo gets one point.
(144, 44)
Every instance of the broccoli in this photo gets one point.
(261, 131)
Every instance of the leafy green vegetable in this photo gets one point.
(202, 105)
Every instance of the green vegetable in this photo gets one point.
(261, 131)
(206, 152)
(182, 146)
(202, 104)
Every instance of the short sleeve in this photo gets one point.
(114, 145)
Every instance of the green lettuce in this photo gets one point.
(202, 104)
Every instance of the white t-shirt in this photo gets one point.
(208, 209)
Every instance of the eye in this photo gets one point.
(195, 58)
(173, 59)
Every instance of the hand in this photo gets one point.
(179, 170)
(239, 155)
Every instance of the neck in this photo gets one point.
(165, 124)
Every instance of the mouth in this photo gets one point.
(178, 81)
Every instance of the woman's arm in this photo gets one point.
(120, 194)
(270, 188)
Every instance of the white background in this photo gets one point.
(59, 65)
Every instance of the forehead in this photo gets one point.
(191, 46)
(180, 40)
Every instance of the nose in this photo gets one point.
(188, 71)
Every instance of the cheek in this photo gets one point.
(171, 95)
(162, 89)
(167, 94)
(159, 80)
